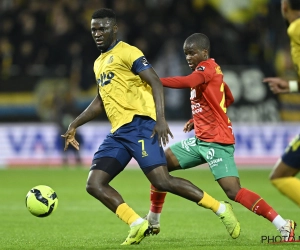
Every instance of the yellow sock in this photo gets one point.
(126, 213)
(289, 186)
(209, 202)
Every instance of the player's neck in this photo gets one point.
(111, 46)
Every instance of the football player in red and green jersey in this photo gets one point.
(213, 142)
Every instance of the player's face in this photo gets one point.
(194, 55)
(104, 32)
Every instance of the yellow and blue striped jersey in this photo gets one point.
(123, 92)
(294, 34)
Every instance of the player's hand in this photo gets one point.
(162, 130)
(70, 138)
(189, 126)
(277, 85)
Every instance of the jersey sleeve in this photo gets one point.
(179, 82)
(229, 99)
(203, 73)
(135, 60)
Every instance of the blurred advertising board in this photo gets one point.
(253, 101)
(36, 144)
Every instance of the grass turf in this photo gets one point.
(81, 222)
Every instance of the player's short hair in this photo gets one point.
(103, 13)
(200, 40)
(294, 4)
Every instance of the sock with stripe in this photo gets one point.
(157, 199)
(257, 205)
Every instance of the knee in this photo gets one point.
(93, 188)
(162, 185)
(90, 188)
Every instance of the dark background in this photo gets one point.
(47, 54)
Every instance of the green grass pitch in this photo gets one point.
(81, 222)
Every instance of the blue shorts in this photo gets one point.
(133, 140)
(291, 156)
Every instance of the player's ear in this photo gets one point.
(284, 6)
(115, 29)
(205, 53)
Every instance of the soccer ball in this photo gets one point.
(41, 201)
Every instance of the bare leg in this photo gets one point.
(98, 186)
(283, 178)
(231, 186)
(282, 170)
(162, 180)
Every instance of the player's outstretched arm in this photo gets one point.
(161, 128)
(278, 85)
(92, 111)
(180, 82)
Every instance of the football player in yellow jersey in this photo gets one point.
(283, 176)
(131, 94)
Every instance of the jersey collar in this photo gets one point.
(112, 46)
